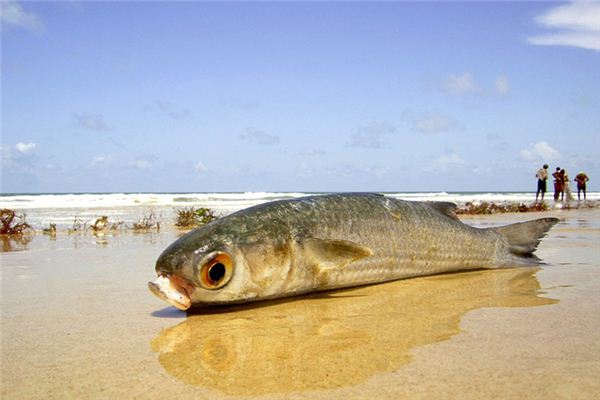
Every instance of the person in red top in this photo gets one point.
(559, 184)
(581, 179)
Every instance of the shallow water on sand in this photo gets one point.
(79, 322)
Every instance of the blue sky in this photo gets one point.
(194, 96)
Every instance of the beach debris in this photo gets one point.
(146, 223)
(78, 225)
(192, 217)
(472, 208)
(51, 230)
(297, 246)
(13, 224)
(102, 225)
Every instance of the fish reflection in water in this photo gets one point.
(337, 339)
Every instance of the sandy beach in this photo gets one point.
(126, 123)
(79, 322)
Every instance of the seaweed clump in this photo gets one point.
(13, 224)
(51, 230)
(14, 231)
(78, 226)
(191, 216)
(146, 223)
(493, 208)
(102, 224)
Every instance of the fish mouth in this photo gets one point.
(172, 290)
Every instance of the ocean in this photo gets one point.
(62, 209)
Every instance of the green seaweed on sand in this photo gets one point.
(190, 216)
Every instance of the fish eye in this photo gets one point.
(215, 273)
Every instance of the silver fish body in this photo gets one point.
(291, 247)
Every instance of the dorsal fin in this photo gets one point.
(446, 208)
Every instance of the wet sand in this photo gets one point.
(79, 322)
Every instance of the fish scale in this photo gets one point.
(291, 247)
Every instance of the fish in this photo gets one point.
(293, 247)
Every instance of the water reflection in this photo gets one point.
(332, 340)
(11, 243)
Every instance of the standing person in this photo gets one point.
(559, 183)
(568, 194)
(542, 176)
(581, 179)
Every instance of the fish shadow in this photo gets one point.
(168, 312)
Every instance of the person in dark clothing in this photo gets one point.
(581, 179)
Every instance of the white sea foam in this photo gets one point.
(34, 201)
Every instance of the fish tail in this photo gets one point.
(524, 237)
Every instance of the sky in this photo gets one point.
(297, 96)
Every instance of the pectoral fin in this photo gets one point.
(334, 253)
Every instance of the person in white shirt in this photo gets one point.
(542, 176)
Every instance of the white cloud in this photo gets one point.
(11, 13)
(578, 25)
(541, 151)
(259, 137)
(200, 167)
(142, 165)
(18, 159)
(371, 136)
(460, 84)
(436, 123)
(25, 148)
(502, 85)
